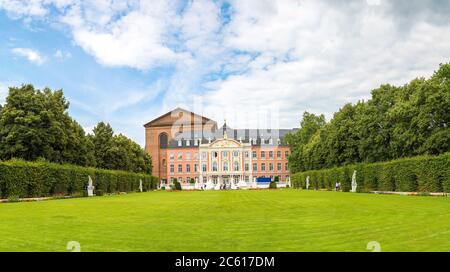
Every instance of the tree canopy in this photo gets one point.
(35, 124)
(396, 122)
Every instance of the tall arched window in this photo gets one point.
(163, 140)
(214, 166)
(236, 166)
(225, 166)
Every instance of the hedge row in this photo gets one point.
(418, 174)
(40, 179)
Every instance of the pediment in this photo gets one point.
(178, 116)
(225, 143)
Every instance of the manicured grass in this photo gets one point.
(279, 220)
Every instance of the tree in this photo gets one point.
(396, 122)
(309, 125)
(117, 151)
(102, 140)
(35, 124)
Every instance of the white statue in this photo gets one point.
(90, 188)
(141, 188)
(307, 182)
(354, 184)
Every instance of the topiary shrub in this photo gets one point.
(419, 174)
(273, 185)
(386, 181)
(40, 179)
(177, 186)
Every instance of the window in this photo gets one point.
(246, 154)
(180, 156)
(188, 156)
(286, 167)
(195, 168)
(255, 167)
(180, 180)
(164, 164)
(246, 167)
(196, 156)
(180, 143)
(270, 166)
(254, 154)
(214, 166)
(195, 142)
(236, 154)
(263, 155)
(263, 167)
(271, 141)
(188, 180)
(205, 180)
(271, 154)
(215, 154)
(171, 156)
(236, 166)
(204, 167)
(180, 168)
(279, 154)
(188, 168)
(286, 154)
(247, 178)
(203, 155)
(287, 178)
(224, 154)
(279, 166)
(188, 142)
(172, 168)
(163, 140)
(225, 166)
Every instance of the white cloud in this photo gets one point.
(62, 55)
(30, 54)
(140, 39)
(286, 54)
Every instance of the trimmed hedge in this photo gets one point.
(418, 174)
(22, 179)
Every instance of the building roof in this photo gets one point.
(256, 137)
(173, 117)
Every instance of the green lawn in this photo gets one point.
(279, 220)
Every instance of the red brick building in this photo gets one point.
(192, 149)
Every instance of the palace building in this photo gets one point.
(192, 149)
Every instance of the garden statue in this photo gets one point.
(141, 188)
(90, 187)
(307, 182)
(354, 184)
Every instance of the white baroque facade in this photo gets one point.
(225, 162)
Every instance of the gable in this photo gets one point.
(179, 116)
(225, 143)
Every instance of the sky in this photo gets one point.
(255, 63)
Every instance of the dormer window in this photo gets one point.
(195, 142)
(188, 143)
(271, 141)
(180, 142)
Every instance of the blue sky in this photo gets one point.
(255, 63)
